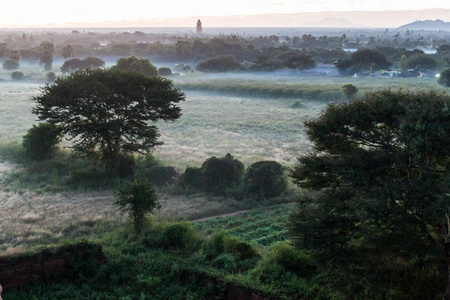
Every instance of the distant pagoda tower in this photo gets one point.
(199, 26)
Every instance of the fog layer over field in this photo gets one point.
(250, 128)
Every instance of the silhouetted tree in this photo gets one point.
(109, 112)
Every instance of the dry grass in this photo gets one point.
(28, 218)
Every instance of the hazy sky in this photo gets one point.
(52, 12)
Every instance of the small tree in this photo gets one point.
(41, 141)
(46, 52)
(17, 75)
(109, 113)
(140, 65)
(444, 78)
(67, 51)
(10, 64)
(348, 91)
(403, 64)
(138, 198)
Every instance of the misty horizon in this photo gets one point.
(324, 19)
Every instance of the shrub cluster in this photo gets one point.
(41, 141)
(264, 179)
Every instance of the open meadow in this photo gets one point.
(235, 237)
(232, 113)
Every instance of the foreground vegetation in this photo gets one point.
(340, 241)
(173, 262)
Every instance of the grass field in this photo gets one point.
(215, 121)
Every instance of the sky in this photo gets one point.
(29, 13)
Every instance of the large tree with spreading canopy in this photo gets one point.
(380, 167)
(109, 112)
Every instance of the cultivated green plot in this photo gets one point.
(262, 226)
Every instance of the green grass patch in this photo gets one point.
(262, 226)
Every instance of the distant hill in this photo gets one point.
(333, 22)
(427, 25)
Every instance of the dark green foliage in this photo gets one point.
(300, 62)
(363, 60)
(224, 171)
(345, 67)
(139, 65)
(10, 64)
(422, 62)
(74, 64)
(215, 173)
(239, 248)
(349, 91)
(222, 63)
(265, 179)
(230, 253)
(108, 112)
(379, 167)
(262, 226)
(137, 198)
(41, 141)
(181, 236)
(164, 71)
(366, 59)
(444, 78)
(124, 165)
(17, 75)
(284, 258)
(162, 175)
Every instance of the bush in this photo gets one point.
(239, 248)
(281, 261)
(162, 175)
(265, 179)
(164, 71)
(221, 242)
(10, 64)
(17, 75)
(41, 141)
(348, 91)
(230, 253)
(224, 171)
(215, 173)
(181, 236)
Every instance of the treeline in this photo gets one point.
(266, 52)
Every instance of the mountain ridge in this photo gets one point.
(437, 24)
